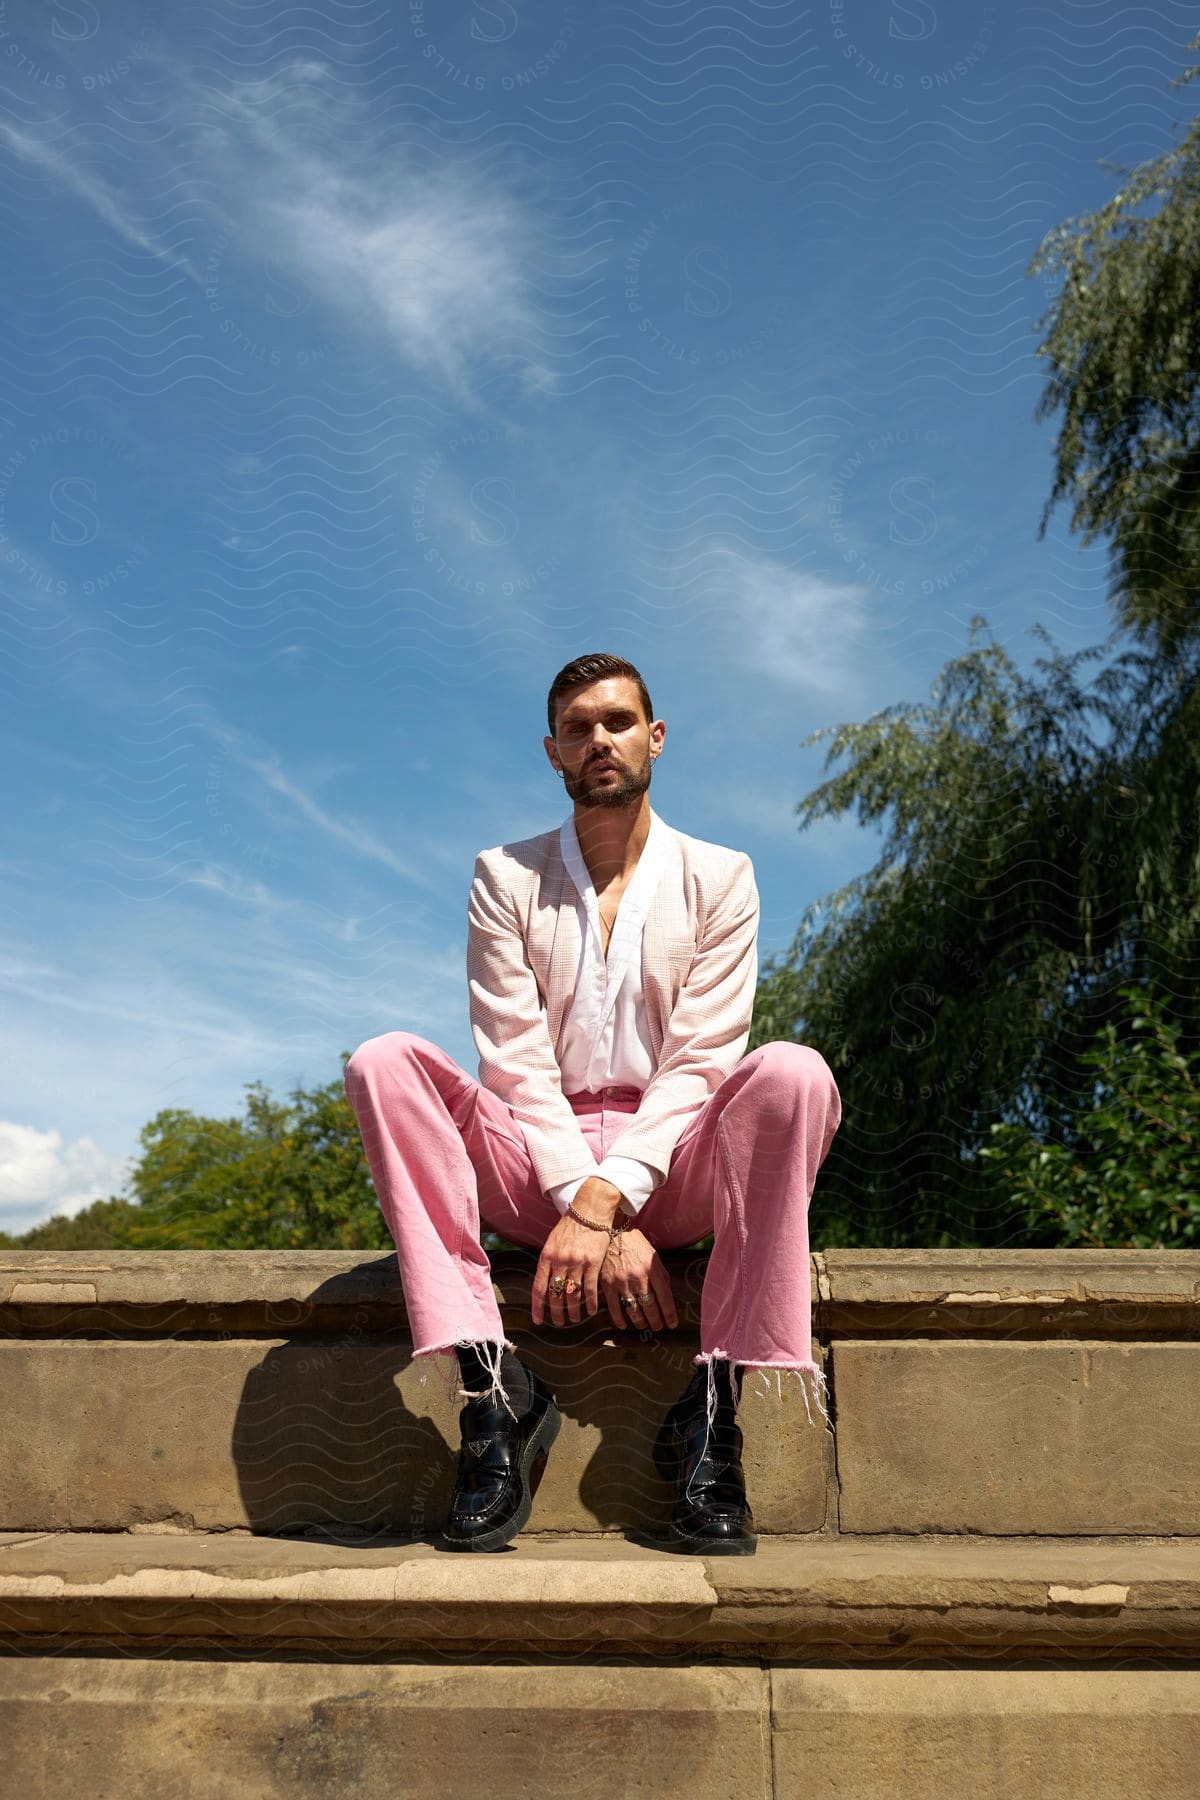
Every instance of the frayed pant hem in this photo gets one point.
(816, 1380)
(491, 1350)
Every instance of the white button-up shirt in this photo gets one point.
(606, 1042)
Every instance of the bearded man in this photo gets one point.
(612, 965)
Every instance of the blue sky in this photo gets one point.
(363, 363)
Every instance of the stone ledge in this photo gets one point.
(169, 1293)
(1142, 1294)
(1017, 1437)
(894, 1600)
(899, 1293)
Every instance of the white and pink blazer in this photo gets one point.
(699, 976)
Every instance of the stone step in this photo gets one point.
(148, 1728)
(839, 1601)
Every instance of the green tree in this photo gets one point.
(1123, 344)
(104, 1225)
(1042, 841)
(1130, 1177)
(285, 1175)
(1040, 849)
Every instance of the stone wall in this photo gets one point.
(1008, 1393)
(983, 1579)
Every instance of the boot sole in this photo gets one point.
(540, 1440)
(694, 1546)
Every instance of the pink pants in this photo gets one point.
(446, 1153)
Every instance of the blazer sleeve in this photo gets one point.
(709, 1027)
(508, 1022)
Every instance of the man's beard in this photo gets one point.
(630, 785)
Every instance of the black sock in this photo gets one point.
(513, 1373)
(723, 1379)
(721, 1367)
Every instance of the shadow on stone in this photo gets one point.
(337, 1437)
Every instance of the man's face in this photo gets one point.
(604, 744)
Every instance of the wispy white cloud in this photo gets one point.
(441, 262)
(435, 257)
(799, 629)
(185, 1007)
(203, 1019)
(437, 253)
(69, 172)
(340, 829)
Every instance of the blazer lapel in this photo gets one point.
(668, 941)
(552, 939)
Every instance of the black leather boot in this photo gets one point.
(495, 1482)
(711, 1515)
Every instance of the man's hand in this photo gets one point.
(571, 1249)
(635, 1267)
(626, 1264)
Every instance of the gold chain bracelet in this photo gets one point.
(595, 1225)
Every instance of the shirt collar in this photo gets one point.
(643, 883)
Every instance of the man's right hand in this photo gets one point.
(633, 1266)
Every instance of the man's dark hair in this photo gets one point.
(596, 666)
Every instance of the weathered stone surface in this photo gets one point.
(312, 1412)
(985, 1734)
(169, 1729)
(163, 1730)
(272, 1292)
(1087, 1277)
(154, 1393)
(894, 1600)
(1086, 1294)
(285, 1434)
(1052, 1438)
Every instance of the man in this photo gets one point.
(612, 966)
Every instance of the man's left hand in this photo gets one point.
(573, 1250)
